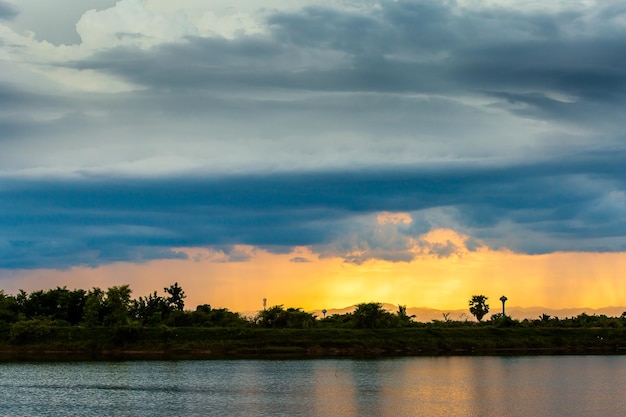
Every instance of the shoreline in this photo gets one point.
(35, 355)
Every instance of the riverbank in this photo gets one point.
(74, 342)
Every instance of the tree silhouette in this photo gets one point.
(404, 318)
(151, 309)
(175, 300)
(478, 306)
(371, 316)
(278, 318)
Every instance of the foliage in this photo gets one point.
(372, 316)
(8, 308)
(150, 310)
(163, 341)
(154, 310)
(216, 317)
(277, 317)
(337, 320)
(403, 317)
(31, 318)
(30, 330)
(117, 306)
(478, 306)
(56, 304)
(94, 310)
(501, 320)
(176, 297)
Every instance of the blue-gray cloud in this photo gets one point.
(577, 204)
(409, 72)
(406, 46)
(7, 11)
(503, 125)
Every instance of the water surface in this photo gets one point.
(444, 386)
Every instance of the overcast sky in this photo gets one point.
(131, 129)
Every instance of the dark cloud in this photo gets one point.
(28, 114)
(578, 204)
(7, 11)
(536, 60)
(14, 98)
(61, 252)
(503, 125)
(583, 69)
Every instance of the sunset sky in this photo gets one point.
(316, 153)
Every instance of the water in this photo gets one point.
(448, 386)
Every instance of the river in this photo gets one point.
(564, 386)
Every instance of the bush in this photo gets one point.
(30, 331)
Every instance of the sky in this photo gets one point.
(316, 153)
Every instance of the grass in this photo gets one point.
(317, 342)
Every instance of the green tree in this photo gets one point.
(70, 304)
(117, 305)
(94, 307)
(478, 306)
(8, 308)
(151, 309)
(54, 304)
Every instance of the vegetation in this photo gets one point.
(478, 306)
(97, 321)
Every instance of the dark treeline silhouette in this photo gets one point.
(115, 308)
(111, 308)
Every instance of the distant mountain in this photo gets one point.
(424, 314)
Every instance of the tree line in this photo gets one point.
(115, 307)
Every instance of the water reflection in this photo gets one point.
(457, 386)
(333, 388)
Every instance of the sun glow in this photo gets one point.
(301, 279)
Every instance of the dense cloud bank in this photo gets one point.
(154, 129)
(537, 208)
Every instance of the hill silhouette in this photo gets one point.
(425, 314)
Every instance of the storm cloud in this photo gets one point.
(552, 206)
(156, 132)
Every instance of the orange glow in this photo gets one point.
(300, 279)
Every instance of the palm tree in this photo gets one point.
(478, 306)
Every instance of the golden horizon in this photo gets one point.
(556, 281)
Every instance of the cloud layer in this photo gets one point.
(158, 127)
(539, 208)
